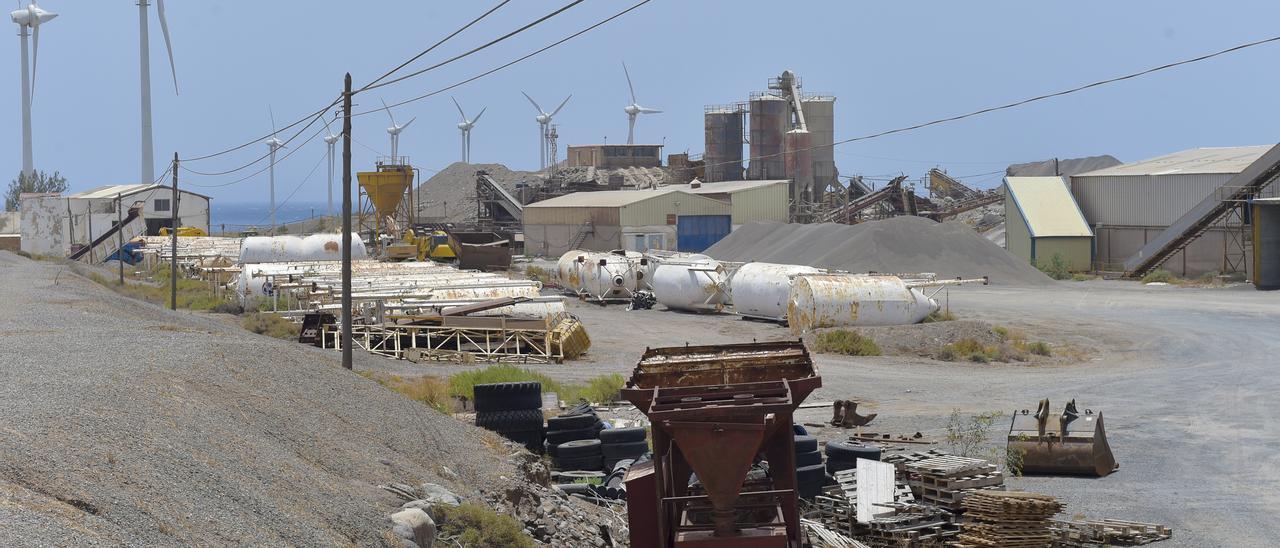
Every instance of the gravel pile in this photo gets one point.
(129, 424)
(901, 244)
(450, 194)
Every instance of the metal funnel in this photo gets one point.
(385, 188)
(721, 471)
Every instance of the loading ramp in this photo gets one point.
(495, 204)
(135, 211)
(1213, 208)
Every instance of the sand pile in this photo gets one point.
(900, 244)
(450, 194)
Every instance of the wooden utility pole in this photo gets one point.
(346, 222)
(173, 239)
(120, 236)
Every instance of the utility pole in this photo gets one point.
(120, 236)
(346, 222)
(173, 239)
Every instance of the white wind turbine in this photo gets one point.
(544, 122)
(465, 125)
(144, 58)
(330, 140)
(634, 109)
(273, 144)
(29, 19)
(394, 131)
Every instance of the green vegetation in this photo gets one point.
(1159, 276)
(967, 436)
(474, 525)
(1081, 277)
(599, 389)
(431, 391)
(192, 294)
(841, 341)
(22, 253)
(538, 273)
(1013, 347)
(1039, 348)
(37, 182)
(271, 325)
(1056, 267)
(939, 316)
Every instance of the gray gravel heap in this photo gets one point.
(450, 194)
(124, 423)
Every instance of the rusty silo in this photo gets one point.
(819, 115)
(770, 121)
(799, 163)
(724, 132)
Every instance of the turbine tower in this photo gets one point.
(465, 125)
(394, 131)
(634, 109)
(273, 144)
(29, 19)
(544, 123)
(330, 140)
(144, 58)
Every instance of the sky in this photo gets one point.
(890, 64)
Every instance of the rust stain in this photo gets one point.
(331, 246)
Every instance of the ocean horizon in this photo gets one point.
(233, 216)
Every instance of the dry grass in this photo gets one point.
(538, 273)
(939, 316)
(271, 325)
(431, 391)
(475, 525)
(845, 342)
(599, 389)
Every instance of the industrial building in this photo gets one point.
(748, 200)
(635, 220)
(55, 224)
(1266, 243)
(1042, 221)
(1129, 204)
(615, 156)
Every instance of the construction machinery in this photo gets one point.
(422, 245)
(384, 200)
(1070, 443)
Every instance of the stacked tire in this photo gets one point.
(810, 474)
(844, 455)
(619, 444)
(513, 410)
(573, 440)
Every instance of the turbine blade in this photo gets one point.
(566, 100)
(406, 124)
(629, 86)
(168, 45)
(535, 103)
(644, 110)
(388, 109)
(272, 113)
(35, 54)
(460, 113)
(479, 115)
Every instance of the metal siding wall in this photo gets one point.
(571, 215)
(1017, 236)
(1077, 251)
(654, 211)
(1156, 200)
(761, 204)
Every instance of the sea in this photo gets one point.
(236, 216)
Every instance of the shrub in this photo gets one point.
(939, 316)
(1056, 267)
(604, 388)
(846, 342)
(228, 308)
(431, 391)
(598, 389)
(538, 273)
(271, 325)
(1039, 348)
(1158, 276)
(474, 525)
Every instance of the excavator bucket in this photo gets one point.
(1069, 443)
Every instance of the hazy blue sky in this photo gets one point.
(890, 64)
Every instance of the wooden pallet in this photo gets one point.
(966, 482)
(1073, 534)
(950, 466)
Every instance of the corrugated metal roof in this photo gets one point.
(727, 187)
(1230, 160)
(602, 198)
(110, 191)
(1047, 206)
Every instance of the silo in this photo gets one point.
(770, 120)
(799, 163)
(819, 116)
(724, 132)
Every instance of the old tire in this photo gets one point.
(571, 422)
(808, 458)
(622, 435)
(625, 450)
(850, 451)
(508, 396)
(510, 421)
(578, 448)
(561, 436)
(811, 474)
(805, 444)
(594, 463)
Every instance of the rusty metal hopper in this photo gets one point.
(1067, 443)
(711, 365)
(386, 188)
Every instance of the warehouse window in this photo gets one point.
(161, 204)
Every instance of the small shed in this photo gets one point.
(1042, 220)
(635, 220)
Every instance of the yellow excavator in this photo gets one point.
(436, 246)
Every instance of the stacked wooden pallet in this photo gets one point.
(835, 508)
(1106, 532)
(946, 480)
(1011, 519)
(913, 526)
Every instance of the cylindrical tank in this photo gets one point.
(819, 117)
(699, 286)
(770, 120)
(833, 300)
(316, 247)
(485, 292)
(762, 290)
(569, 270)
(1266, 244)
(724, 138)
(644, 266)
(608, 276)
(799, 160)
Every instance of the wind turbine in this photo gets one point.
(465, 125)
(144, 58)
(29, 18)
(544, 122)
(274, 144)
(394, 131)
(330, 141)
(634, 109)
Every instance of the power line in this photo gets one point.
(268, 166)
(317, 117)
(527, 26)
(300, 183)
(434, 46)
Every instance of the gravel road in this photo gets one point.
(128, 424)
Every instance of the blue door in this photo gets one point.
(695, 233)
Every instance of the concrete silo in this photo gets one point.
(770, 121)
(799, 164)
(819, 115)
(724, 137)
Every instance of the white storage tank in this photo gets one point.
(281, 249)
(645, 266)
(608, 277)
(834, 300)
(762, 290)
(698, 286)
(569, 270)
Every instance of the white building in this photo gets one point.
(54, 224)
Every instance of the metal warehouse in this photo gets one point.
(55, 225)
(749, 200)
(635, 220)
(1129, 204)
(1043, 221)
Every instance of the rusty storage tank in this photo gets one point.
(608, 277)
(819, 117)
(696, 286)
(834, 300)
(569, 270)
(762, 290)
(724, 134)
(770, 121)
(799, 160)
